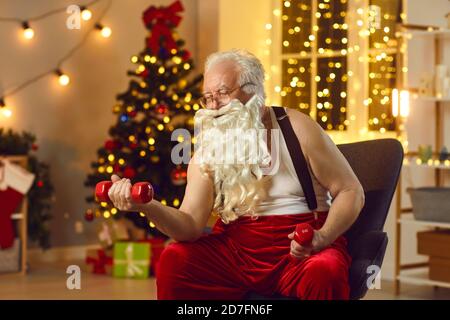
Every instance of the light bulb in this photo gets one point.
(28, 32)
(104, 31)
(4, 109)
(63, 78)
(86, 14)
(7, 113)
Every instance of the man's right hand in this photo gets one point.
(120, 194)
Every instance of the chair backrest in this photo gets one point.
(377, 164)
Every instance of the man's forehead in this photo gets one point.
(224, 74)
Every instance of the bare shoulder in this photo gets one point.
(308, 131)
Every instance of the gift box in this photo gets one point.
(436, 244)
(157, 246)
(111, 231)
(131, 260)
(100, 261)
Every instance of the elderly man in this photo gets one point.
(252, 247)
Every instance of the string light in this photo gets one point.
(86, 14)
(63, 78)
(104, 31)
(28, 32)
(4, 109)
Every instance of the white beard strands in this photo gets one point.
(231, 148)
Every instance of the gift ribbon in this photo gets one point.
(132, 265)
(160, 20)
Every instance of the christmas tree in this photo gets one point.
(161, 97)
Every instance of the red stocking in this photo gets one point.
(9, 200)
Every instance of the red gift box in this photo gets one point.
(100, 261)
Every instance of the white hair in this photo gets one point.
(251, 69)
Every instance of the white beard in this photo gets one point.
(231, 148)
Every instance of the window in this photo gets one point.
(338, 55)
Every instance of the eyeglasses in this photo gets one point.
(222, 96)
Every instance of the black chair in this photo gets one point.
(377, 164)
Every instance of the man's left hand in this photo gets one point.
(318, 243)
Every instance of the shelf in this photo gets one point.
(442, 33)
(419, 276)
(430, 98)
(409, 219)
(413, 164)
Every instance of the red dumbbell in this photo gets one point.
(303, 234)
(141, 192)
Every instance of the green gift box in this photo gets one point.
(131, 260)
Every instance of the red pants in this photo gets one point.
(253, 255)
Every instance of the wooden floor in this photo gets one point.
(48, 281)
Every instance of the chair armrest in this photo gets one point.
(369, 249)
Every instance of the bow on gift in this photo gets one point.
(160, 20)
(133, 266)
(100, 262)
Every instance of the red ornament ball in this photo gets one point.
(89, 215)
(116, 168)
(162, 109)
(129, 173)
(186, 55)
(40, 184)
(132, 114)
(34, 146)
(178, 176)
(111, 145)
(144, 74)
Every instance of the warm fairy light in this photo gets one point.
(28, 32)
(134, 59)
(177, 60)
(63, 78)
(104, 31)
(141, 68)
(6, 112)
(86, 14)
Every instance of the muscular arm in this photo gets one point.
(188, 222)
(333, 172)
